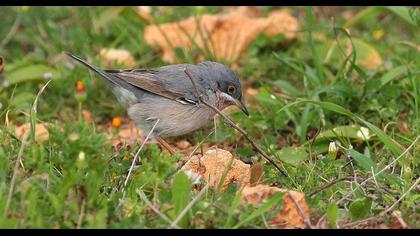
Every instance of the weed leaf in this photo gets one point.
(33, 72)
(292, 155)
(332, 214)
(360, 208)
(181, 190)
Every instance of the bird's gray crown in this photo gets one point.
(221, 76)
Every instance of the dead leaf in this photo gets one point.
(87, 116)
(250, 11)
(403, 127)
(281, 21)
(126, 135)
(112, 56)
(144, 12)
(257, 174)
(347, 15)
(251, 91)
(183, 144)
(41, 132)
(289, 216)
(215, 162)
(224, 36)
(320, 36)
(367, 56)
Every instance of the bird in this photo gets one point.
(165, 97)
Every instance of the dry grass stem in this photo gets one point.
(138, 152)
(189, 206)
(143, 197)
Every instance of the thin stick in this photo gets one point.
(138, 152)
(328, 185)
(231, 123)
(82, 214)
(300, 210)
(189, 206)
(149, 204)
(397, 215)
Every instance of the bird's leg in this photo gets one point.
(166, 145)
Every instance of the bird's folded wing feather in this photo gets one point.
(147, 80)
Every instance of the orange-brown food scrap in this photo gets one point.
(215, 162)
(289, 215)
(112, 56)
(225, 36)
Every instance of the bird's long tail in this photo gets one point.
(102, 73)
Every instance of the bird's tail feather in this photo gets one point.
(96, 69)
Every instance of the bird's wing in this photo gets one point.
(167, 81)
(151, 81)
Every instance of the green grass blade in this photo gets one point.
(363, 161)
(235, 203)
(181, 190)
(368, 12)
(403, 12)
(274, 200)
(315, 57)
(392, 74)
(388, 141)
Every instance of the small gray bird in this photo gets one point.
(166, 93)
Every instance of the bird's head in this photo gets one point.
(227, 85)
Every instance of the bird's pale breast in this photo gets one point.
(174, 118)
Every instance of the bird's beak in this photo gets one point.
(242, 106)
(232, 101)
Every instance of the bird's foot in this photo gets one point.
(166, 145)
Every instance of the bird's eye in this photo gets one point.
(231, 89)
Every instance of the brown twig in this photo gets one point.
(300, 210)
(231, 123)
(327, 185)
(82, 214)
(397, 215)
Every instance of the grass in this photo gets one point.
(310, 93)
